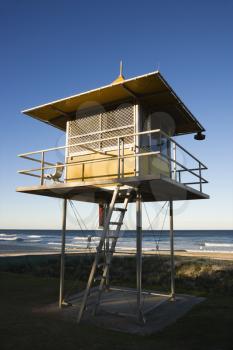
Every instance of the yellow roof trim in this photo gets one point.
(151, 89)
(26, 111)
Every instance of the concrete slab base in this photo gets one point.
(118, 310)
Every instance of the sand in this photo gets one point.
(201, 254)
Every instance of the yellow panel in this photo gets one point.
(153, 165)
(148, 165)
(99, 170)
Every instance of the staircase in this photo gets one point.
(105, 251)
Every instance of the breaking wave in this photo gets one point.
(226, 245)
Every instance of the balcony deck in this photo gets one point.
(151, 188)
(155, 185)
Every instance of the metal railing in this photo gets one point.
(176, 168)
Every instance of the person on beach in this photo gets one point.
(89, 242)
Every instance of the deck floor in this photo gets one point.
(152, 189)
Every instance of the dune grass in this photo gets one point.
(24, 289)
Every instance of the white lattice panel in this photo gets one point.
(92, 127)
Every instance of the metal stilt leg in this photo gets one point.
(139, 258)
(172, 252)
(63, 242)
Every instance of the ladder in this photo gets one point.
(105, 250)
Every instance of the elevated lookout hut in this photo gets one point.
(120, 148)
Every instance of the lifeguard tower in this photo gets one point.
(120, 148)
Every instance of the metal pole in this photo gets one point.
(174, 164)
(200, 179)
(122, 159)
(119, 155)
(137, 138)
(172, 252)
(63, 242)
(42, 169)
(139, 257)
(106, 209)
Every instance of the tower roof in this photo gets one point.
(152, 90)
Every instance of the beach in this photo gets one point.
(207, 255)
(210, 244)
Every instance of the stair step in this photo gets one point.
(120, 209)
(115, 223)
(125, 195)
(99, 278)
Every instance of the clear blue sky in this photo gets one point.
(52, 49)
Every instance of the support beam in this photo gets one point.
(172, 252)
(107, 246)
(130, 92)
(63, 243)
(137, 137)
(139, 257)
(67, 115)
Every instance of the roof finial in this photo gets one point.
(120, 77)
(121, 68)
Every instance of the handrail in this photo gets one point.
(195, 169)
(36, 160)
(120, 157)
(88, 142)
(183, 149)
(91, 161)
(182, 166)
(115, 137)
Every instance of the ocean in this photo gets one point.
(16, 241)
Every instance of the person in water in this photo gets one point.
(89, 242)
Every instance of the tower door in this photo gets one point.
(155, 142)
